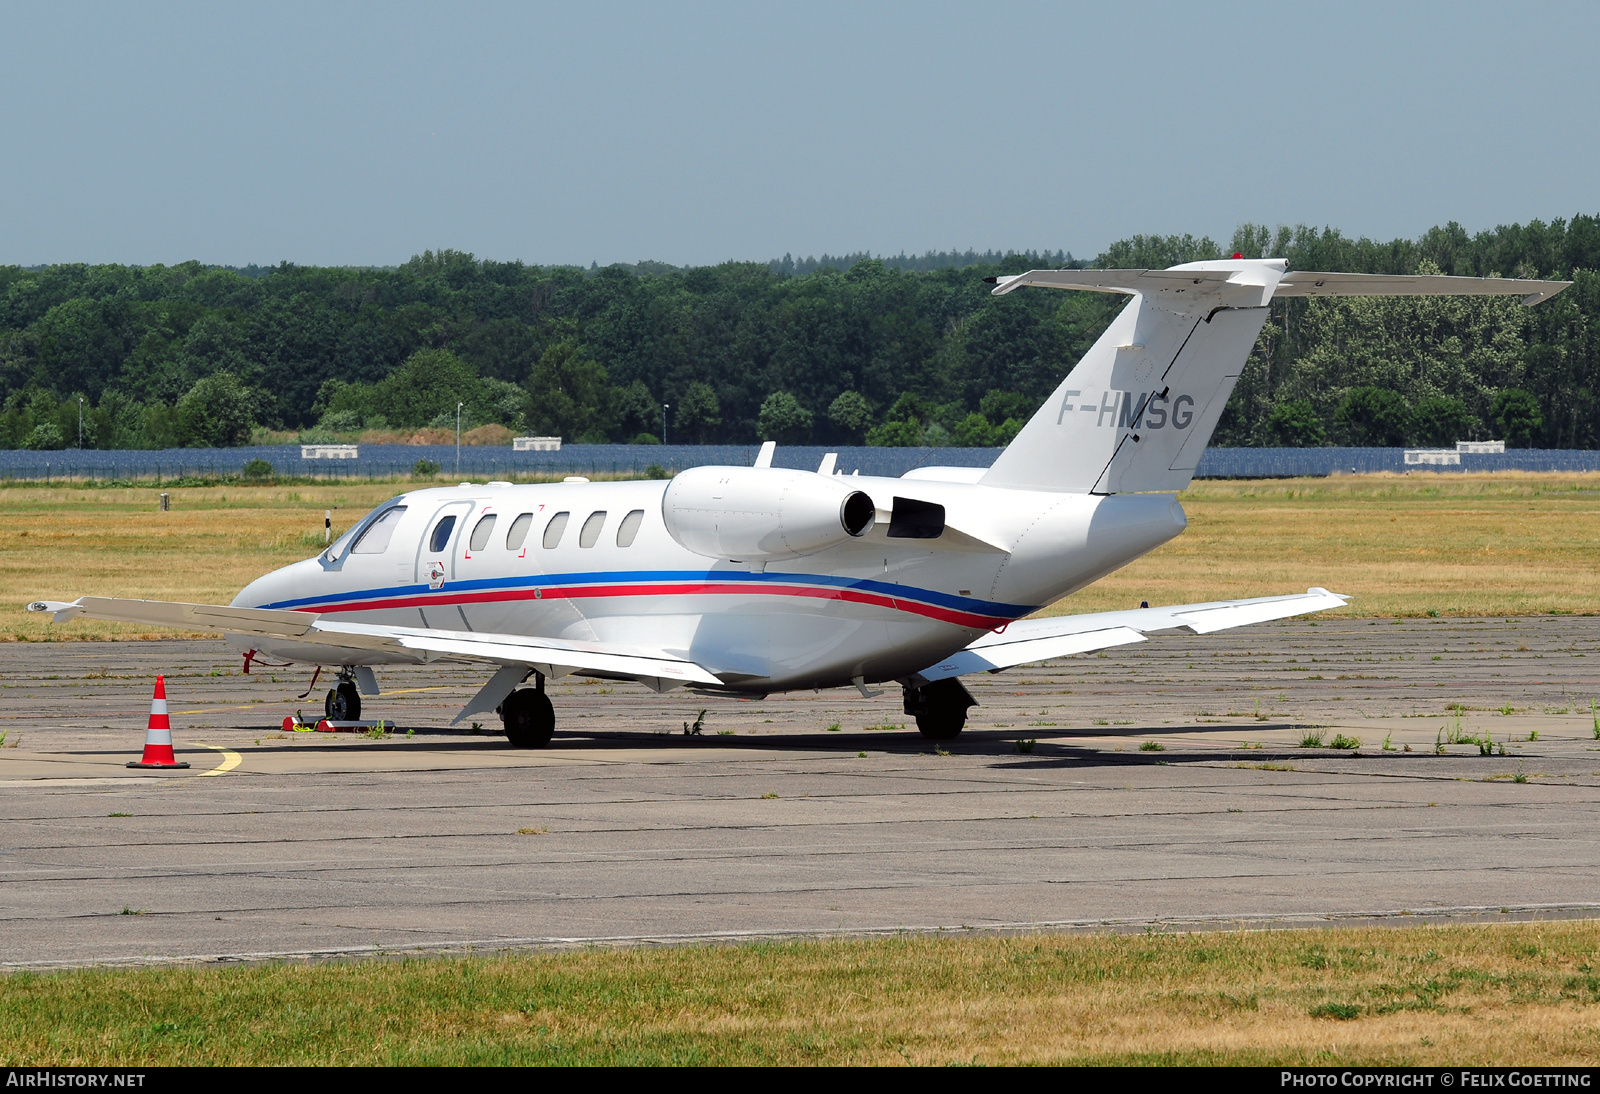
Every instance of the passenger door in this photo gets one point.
(435, 562)
(481, 564)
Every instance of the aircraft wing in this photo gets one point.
(1031, 640)
(553, 657)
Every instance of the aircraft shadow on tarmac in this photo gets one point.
(1051, 749)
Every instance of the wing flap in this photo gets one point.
(1006, 655)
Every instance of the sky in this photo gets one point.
(693, 133)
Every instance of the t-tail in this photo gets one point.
(1138, 410)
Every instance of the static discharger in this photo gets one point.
(158, 735)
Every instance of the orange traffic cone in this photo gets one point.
(158, 737)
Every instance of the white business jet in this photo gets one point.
(742, 581)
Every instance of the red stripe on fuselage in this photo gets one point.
(854, 596)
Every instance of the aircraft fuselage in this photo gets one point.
(872, 609)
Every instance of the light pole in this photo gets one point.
(458, 438)
(664, 422)
(80, 423)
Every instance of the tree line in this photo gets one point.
(903, 351)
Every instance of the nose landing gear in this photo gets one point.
(343, 703)
(940, 708)
(529, 718)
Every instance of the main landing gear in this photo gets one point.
(529, 718)
(940, 708)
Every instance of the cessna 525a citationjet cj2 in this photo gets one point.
(741, 581)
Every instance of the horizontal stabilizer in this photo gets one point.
(1307, 283)
(1140, 406)
(1232, 287)
(1031, 640)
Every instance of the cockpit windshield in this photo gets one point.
(375, 540)
(340, 547)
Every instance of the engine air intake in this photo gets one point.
(763, 514)
(858, 514)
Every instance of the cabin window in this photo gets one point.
(591, 529)
(553, 530)
(518, 534)
(441, 534)
(481, 532)
(375, 540)
(629, 528)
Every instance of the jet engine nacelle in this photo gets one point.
(763, 514)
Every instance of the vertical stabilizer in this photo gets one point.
(1140, 407)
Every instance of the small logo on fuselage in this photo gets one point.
(1131, 409)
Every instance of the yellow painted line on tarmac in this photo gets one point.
(230, 760)
(272, 702)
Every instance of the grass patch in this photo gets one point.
(1347, 743)
(1506, 543)
(1523, 994)
(1518, 544)
(1152, 746)
(1312, 739)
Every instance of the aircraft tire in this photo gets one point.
(343, 703)
(529, 717)
(942, 725)
(940, 708)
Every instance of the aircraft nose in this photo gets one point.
(276, 587)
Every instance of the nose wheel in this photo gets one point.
(343, 703)
(529, 717)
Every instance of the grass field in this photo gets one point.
(1506, 994)
(1500, 544)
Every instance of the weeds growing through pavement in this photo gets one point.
(1343, 742)
(1388, 742)
(1152, 746)
(1026, 744)
(1312, 739)
(699, 724)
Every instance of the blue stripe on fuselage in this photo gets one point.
(885, 588)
